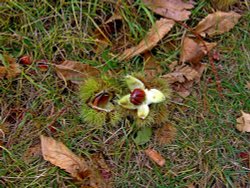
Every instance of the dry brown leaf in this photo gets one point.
(243, 122)
(217, 23)
(75, 71)
(173, 9)
(165, 134)
(183, 73)
(58, 154)
(194, 50)
(155, 156)
(12, 70)
(156, 33)
(183, 78)
(151, 67)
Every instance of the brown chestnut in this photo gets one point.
(137, 96)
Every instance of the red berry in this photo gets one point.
(137, 96)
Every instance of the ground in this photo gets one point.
(207, 150)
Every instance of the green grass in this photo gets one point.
(207, 145)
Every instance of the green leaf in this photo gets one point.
(143, 136)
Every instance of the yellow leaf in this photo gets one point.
(156, 33)
(217, 23)
(173, 9)
(58, 154)
(75, 71)
(243, 122)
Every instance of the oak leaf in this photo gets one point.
(173, 9)
(217, 23)
(156, 33)
(243, 122)
(194, 50)
(75, 71)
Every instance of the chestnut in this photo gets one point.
(137, 96)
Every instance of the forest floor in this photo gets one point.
(208, 150)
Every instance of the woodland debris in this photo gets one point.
(174, 9)
(75, 71)
(156, 33)
(155, 156)
(58, 154)
(217, 23)
(243, 122)
(8, 67)
(194, 50)
(183, 78)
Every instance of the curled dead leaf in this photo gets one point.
(217, 23)
(183, 73)
(173, 9)
(75, 71)
(10, 68)
(194, 50)
(243, 122)
(183, 78)
(156, 33)
(155, 156)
